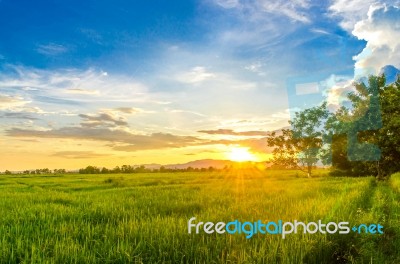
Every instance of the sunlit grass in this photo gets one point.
(143, 217)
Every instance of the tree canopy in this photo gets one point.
(360, 139)
(301, 146)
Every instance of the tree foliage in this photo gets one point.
(361, 139)
(380, 121)
(301, 146)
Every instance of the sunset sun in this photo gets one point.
(241, 154)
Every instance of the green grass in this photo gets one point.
(142, 218)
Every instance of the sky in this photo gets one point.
(107, 83)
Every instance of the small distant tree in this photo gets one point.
(117, 169)
(89, 170)
(140, 169)
(127, 169)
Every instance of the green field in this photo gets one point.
(142, 218)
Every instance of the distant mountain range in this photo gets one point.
(205, 163)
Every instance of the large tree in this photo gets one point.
(301, 146)
(378, 122)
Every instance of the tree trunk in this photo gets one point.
(309, 171)
(379, 176)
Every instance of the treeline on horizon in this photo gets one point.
(117, 169)
(143, 169)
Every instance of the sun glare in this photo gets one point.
(241, 154)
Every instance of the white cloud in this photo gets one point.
(11, 102)
(381, 30)
(350, 11)
(195, 75)
(376, 22)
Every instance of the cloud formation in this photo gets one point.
(381, 30)
(350, 11)
(102, 119)
(125, 141)
(11, 102)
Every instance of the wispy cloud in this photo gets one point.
(73, 84)
(227, 3)
(294, 10)
(51, 49)
(78, 154)
(234, 133)
(127, 110)
(81, 91)
(186, 112)
(12, 115)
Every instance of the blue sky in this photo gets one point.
(90, 80)
(131, 36)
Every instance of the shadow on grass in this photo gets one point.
(362, 248)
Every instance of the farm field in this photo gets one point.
(143, 218)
